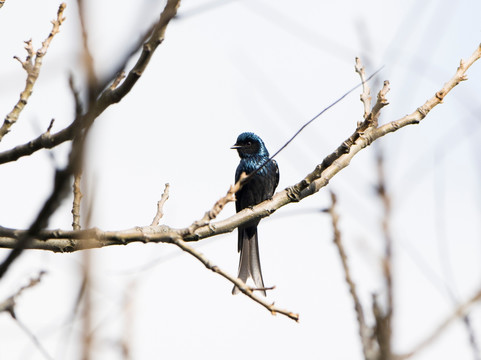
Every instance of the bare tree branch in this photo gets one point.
(59, 191)
(59, 240)
(88, 60)
(457, 314)
(472, 336)
(76, 96)
(366, 91)
(87, 311)
(128, 315)
(77, 197)
(9, 304)
(32, 65)
(234, 280)
(34, 339)
(160, 206)
(384, 316)
(109, 96)
(365, 332)
(209, 215)
(77, 132)
(216, 209)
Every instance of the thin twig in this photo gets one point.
(384, 318)
(9, 304)
(208, 216)
(217, 208)
(76, 96)
(309, 122)
(34, 339)
(50, 126)
(365, 333)
(87, 317)
(380, 103)
(473, 341)
(421, 112)
(59, 191)
(457, 313)
(246, 290)
(366, 91)
(160, 206)
(32, 65)
(77, 196)
(128, 320)
(88, 60)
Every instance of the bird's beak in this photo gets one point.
(235, 146)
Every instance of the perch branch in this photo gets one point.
(209, 215)
(59, 240)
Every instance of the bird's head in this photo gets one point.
(249, 144)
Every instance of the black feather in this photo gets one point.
(260, 187)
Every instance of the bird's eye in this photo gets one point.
(249, 143)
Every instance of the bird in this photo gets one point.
(261, 186)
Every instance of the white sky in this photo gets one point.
(267, 67)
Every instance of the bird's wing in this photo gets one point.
(277, 175)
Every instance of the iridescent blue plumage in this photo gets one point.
(259, 187)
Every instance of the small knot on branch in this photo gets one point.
(440, 95)
(294, 192)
